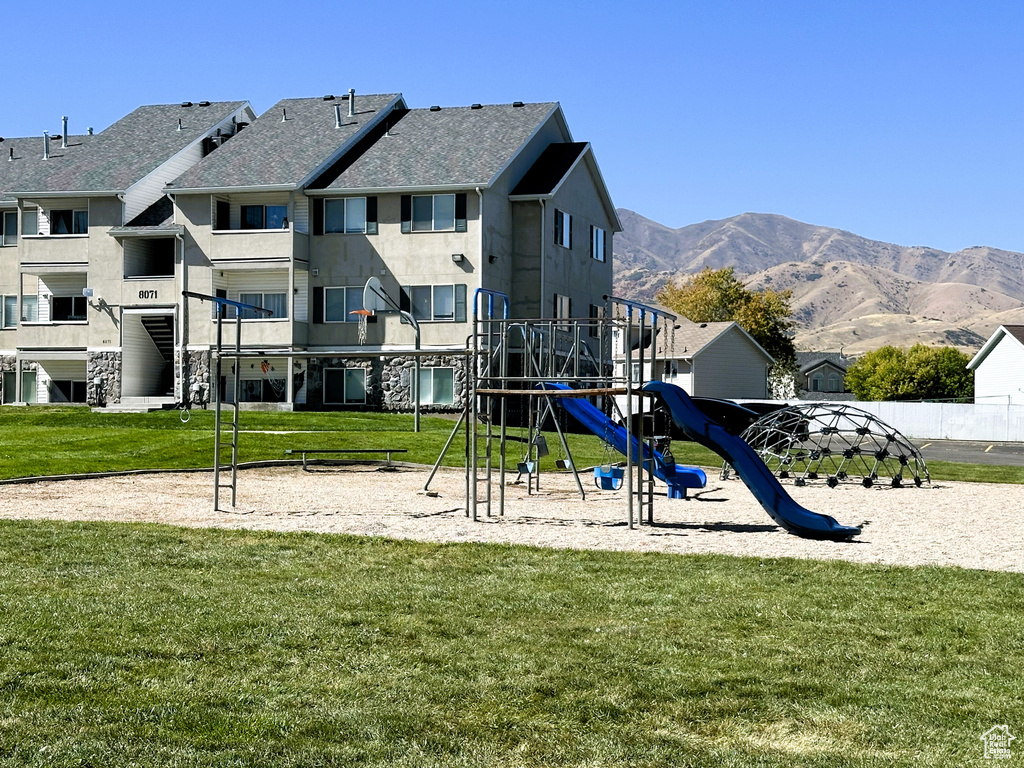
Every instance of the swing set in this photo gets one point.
(517, 360)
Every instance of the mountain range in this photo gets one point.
(848, 292)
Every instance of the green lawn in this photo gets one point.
(150, 646)
(45, 440)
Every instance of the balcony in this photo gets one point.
(72, 250)
(255, 248)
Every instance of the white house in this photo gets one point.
(999, 368)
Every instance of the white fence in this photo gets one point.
(949, 421)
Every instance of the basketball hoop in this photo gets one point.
(361, 315)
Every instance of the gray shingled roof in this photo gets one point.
(28, 169)
(122, 154)
(453, 146)
(808, 360)
(688, 338)
(276, 152)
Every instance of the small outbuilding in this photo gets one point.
(999, 367)
(705, 359)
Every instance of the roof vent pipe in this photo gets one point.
(351, 102)
(64, 132)
(284, 114)
(179, 123)
(89, 130)
(10, 158)
(337, 115)
(46, 145)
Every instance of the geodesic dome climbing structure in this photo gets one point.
(836, 443)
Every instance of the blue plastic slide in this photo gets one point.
(748, 465)
(677, 478)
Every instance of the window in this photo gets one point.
(264, 217)
(596, 314)
(435, 302)
(28, 387)
(350, 216)
(339, 303)
(563, 229)
(69, 222)
(67, 308)
(344, 386)
(597, 243)
(816, 381)
(258, 390)
(30, 221)
(30, 309)
(562, 307)
(277, 303)
(9, 227)
(833, 383)
(10, 311)
(437, 386)
(636, 373)
(67, 391)
(10, 383)
(434, 213)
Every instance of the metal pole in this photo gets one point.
(629, 412)
(216, 411)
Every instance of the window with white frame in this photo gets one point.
(562, 307)
(833, 383)
(350, 216)
(9, 228)
(10, 312)
(67, 308)
(344, 386)
(437, 386)
(30, 221)
(341, 302)
(563, 229)
(277, 303)
(69, 222)
(30, 309)
(635, 373)
(597, 243)
(264, 217)
(435, 302)
(596, 314)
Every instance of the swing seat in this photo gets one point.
(527, 467)
(563, 464)
(608, 478)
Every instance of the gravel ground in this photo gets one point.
(971, 525)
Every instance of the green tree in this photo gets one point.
(918, 373)
(716, 295)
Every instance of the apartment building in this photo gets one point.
(294, 213)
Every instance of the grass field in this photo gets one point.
(45, 440)
(150, 646)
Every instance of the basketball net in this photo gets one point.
(361, 315)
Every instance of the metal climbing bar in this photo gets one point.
(219, 464)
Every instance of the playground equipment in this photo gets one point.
(677, 478)
(535, 363)
(754, 473)
(837, 442)
(541, 362)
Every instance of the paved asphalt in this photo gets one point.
(1001, 454)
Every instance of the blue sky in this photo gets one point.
(899, 121)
